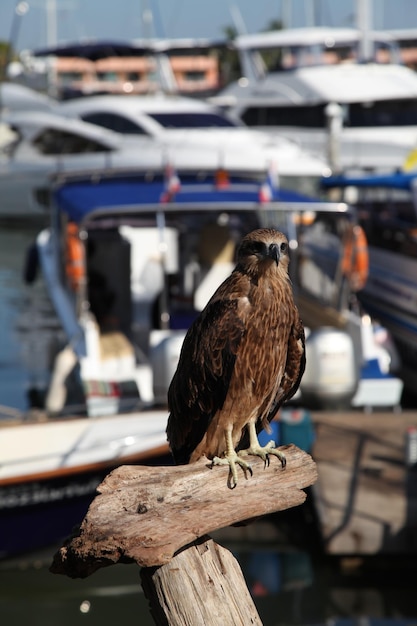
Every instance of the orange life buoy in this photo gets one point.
(355, 260)
(74, 262)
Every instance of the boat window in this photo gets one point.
(383, 113)
(304, 116)
(109, 269)
(192, 120)
(391, 225)
(115, 122)
(53, 141)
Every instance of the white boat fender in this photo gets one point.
(65, 362)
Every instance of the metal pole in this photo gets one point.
(364, 21)
(20, 10)
(164, 316)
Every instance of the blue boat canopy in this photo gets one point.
(398, 180)
(80, 197)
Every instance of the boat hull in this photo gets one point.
(390, 295)
(50, 471)
(40, 512)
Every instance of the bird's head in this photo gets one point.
(264, 250)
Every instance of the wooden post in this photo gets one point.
(200, 585)
(159, 517)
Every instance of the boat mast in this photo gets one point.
(164, 316)
(364, 21)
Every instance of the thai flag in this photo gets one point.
(172, 184)
(269, 186)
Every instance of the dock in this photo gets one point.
(366, 493)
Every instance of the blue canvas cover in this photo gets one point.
(397, 180)
(79, 197)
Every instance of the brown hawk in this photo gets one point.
(241, 359)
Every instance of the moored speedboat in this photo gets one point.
(387, 211)
(322, 93)
(128, 273)
(51, 467)
(138, 133)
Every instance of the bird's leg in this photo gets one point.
(231, 459)
(256, 449)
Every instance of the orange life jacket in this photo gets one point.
(355, 260)
(74, 262)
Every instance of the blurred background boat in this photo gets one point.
(386, 208)
(142, 132)
(51, 468)
(128, 264)
(338, 92)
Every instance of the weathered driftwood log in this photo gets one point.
(147, 514)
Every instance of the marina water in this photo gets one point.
(290, 585)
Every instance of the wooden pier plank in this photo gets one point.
(363, 495)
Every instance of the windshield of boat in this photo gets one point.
(394, 112)
(192, 120)
(172, 260)
(147, 125)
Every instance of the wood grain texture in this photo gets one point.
(147, 514)
(208, 580)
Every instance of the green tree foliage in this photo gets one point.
(6, 54)
(273, 57)
(228, 59)
(230, 69)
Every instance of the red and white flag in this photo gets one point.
(270, 185)
(172, 184)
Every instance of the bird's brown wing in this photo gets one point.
(294, 367)
(200, 384)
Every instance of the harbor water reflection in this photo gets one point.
(27, 321)
(288, 587)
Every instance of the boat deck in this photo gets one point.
(366, 494)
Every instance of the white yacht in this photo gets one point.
(387, 210)
(141, 133)
(317, 82)
(187, 122)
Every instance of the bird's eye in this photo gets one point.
(258, 247)
(284, 247)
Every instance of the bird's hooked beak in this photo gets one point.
(273, 252)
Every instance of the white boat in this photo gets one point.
(15, 97)
(42, 144)
(51, 468)
(18, 98)
(387, 210)
(47, 143)
(127, 275)
(177, 121)
(360, 115)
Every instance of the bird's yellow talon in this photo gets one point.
(232, 460)
(263, 452)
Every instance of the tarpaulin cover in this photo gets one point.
(78, 198)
